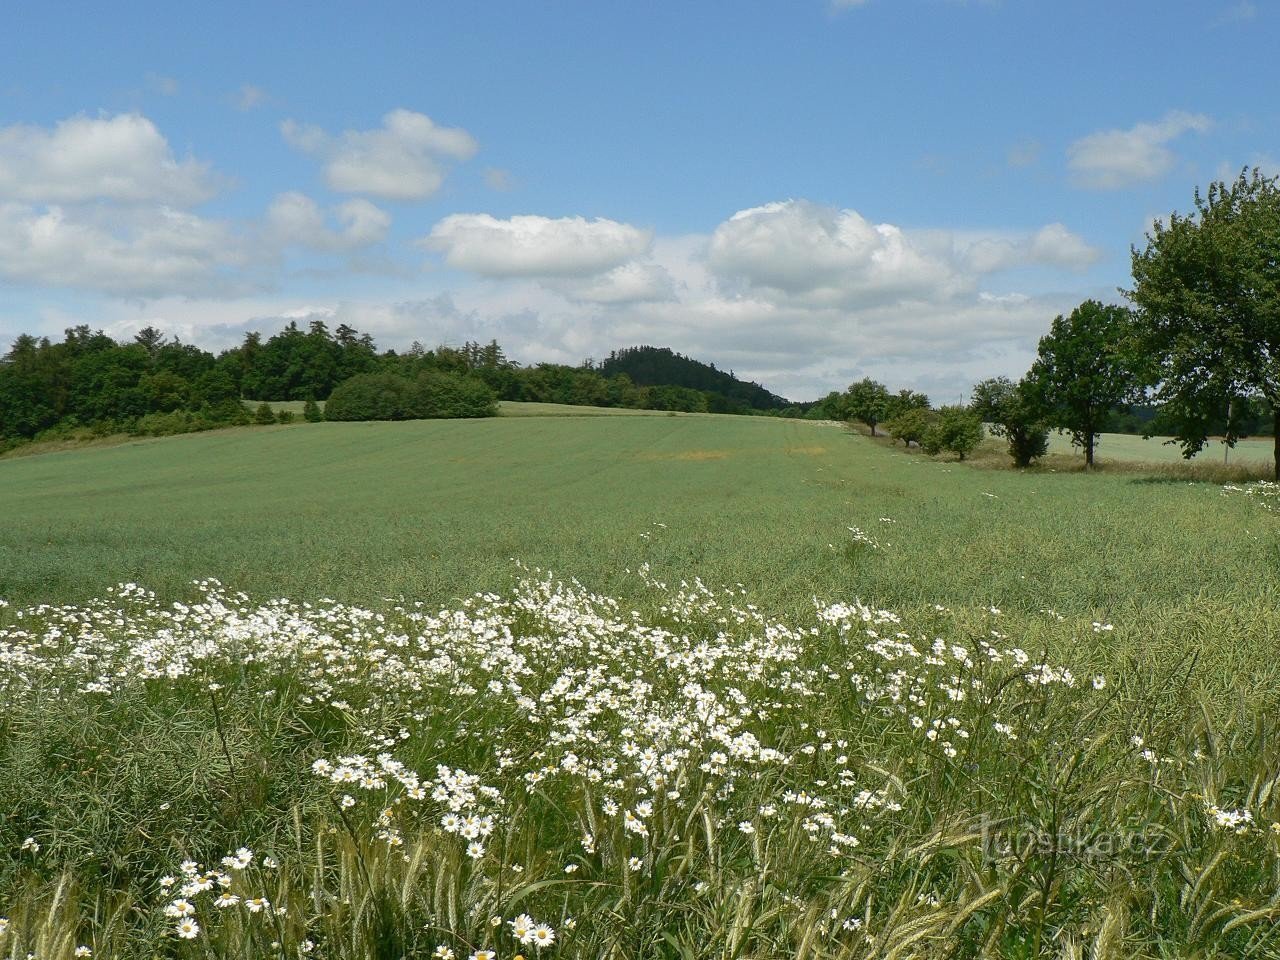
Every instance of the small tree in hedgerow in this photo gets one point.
(264, 414)
(955, 430)
(1086, 366)
(867, 401)
(911, 425)
(311, 411)
(1013, 414)
(1207, 286)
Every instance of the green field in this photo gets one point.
(1127, 448)
(437, 509)
(1031, 715)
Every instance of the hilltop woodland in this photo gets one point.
(1194, 356)
(152, 385)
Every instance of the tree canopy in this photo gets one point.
(867, 401)
(1085, 366)
(1013, 414)
(1207, 286)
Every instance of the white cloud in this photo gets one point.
(800, 251)
(1052, 245)
(633, 282)
(1110, 159)
(294, 219)
(800, 297)
(122, 158)
(533, 246)
(143, 252)
(404, 159)
(1056, 246)
(796, 350)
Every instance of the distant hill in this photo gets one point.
(661, 366)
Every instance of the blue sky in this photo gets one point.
(806, 192)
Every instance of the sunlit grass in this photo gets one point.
(136, 734)
(236, 779)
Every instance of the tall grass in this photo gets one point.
(1030, 717)
(704, 780)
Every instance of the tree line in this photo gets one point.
(154, 385)
(1194, 354)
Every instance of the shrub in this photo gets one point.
(955, 429)
(434, 394)
(164, 424)
(228, 412)
(438, 393)
(311, 411)
(285, 416)
(370, 396)
(264, 414)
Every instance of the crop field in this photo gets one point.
(1128, 448)
(625, 687)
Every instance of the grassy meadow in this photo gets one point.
(1128, 448)
(783, 691)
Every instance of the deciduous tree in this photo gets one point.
(1014, 415)
(1086, 365)
(867, 401)
(1207, 285)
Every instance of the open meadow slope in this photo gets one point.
(1130, 448)
(437, 509)
(1044, 731)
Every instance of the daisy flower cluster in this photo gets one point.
(1265, 493)
(195, 887)
(556, 736)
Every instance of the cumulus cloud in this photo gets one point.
(798, 296)
(145, 252)
(122, 158)
(630, 283)
(294, 219)
(404, 159)
(533, 246)
(1110, 159)
(820, 255)
(1052, 245)
(797, 350)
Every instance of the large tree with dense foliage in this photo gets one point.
(1086, 365)
(1207, 286)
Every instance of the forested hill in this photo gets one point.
(661, 366)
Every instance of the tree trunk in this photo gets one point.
(1088, 450)
(1275, 430)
